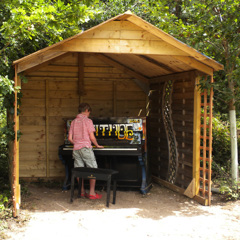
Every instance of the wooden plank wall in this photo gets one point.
(32, 125)
(182, 116)
(157, 147)
(52, 95)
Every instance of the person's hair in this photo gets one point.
(83, 107)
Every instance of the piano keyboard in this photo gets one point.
(115, 149)
(107, 149)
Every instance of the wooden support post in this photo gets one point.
(47, 127)
(16, 194)
(81, 74)
(196, 135)
(210, 144)
(204, 141)
(114, 99)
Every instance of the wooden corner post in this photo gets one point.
(196, 135)
(16, 194)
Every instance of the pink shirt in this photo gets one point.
(80, 128)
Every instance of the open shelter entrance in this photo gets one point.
(122, 67)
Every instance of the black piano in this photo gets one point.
(124, 141)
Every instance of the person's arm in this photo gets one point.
(94, 140)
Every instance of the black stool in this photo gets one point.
(94, 173)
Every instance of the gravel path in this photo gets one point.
(162, 214)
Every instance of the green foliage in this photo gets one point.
(221, 141)
(221, 165)
(231, 192)
(4, 170)
(6, 100)
(5, 204)
(27, 26)
(6, 130)
(45, 20)
(5, 211)
(222, 177)
(213, 27)
(159, 13)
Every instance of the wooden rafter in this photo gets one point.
(190, 61)
(141, 80)
(44, 64)
(38, 60)
(159, 64)
(142, 85)
(171, 77)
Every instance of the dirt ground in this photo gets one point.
(161, 214)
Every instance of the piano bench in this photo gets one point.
(94, 173)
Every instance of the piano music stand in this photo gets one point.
(94, 173)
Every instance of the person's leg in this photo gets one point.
(90, 161)
(78, 162)
(92, 183)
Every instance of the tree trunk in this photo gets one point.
(234, 145)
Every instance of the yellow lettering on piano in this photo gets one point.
(121, 133)
(116, 129)
(129, 134)
(119, 136)
(103, 128)
(110, 129)
(96, 127)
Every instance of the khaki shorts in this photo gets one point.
(84, 157)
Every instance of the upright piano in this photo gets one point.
(124, 141)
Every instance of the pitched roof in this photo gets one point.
(127, 34)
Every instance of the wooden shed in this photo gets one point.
(122, 67)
